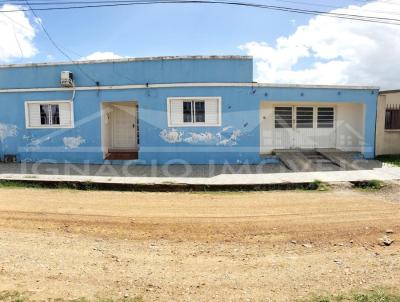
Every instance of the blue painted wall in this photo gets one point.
(236, 141)
(135, 72)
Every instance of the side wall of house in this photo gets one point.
(387, 141)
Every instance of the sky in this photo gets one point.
(287, 47)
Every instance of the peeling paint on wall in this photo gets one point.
(195, 138)
(7, 130)
(35, 142)
(73, 142)
(228, 136)
(172, 136)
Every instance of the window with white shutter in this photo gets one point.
(49, 114)
(194, 112)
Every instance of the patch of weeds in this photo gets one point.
(18, 184)
(318, 185)
(375, 295)
(390, 159)
(371, 185)
(14, 296)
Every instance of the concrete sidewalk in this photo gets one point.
(231, 178)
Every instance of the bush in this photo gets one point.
(369, 184)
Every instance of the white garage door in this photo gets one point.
(304, 127)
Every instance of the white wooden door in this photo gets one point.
(304, 128)
(283, 127)
(124, 127)
(325, 127)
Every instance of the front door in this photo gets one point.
(304, 127)
(124, 127)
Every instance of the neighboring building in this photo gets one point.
(388, 123)
(173, 109)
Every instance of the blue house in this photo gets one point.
(197, 110)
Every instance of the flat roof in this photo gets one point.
(121, 60)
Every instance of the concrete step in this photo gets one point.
(344, 159)
(295, 160)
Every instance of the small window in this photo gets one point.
(200, 112)
(326, 117)
(304, 117)
(283, 117)
(392, 119)
(57, 114)
(189, 112)
(49, 115)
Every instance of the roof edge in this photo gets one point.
(184, 85)
(278, 85)
(389, 91)
(123, 60)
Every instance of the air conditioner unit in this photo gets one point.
(67, 79)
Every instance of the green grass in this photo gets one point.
(318, 185)
(87, 186)
(14, 296)
(390, 159)
(370, 185)
(375, 295)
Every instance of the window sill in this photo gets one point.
(392, 130)
(193, 125)
(51, 127)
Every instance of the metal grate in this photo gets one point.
(283, 117)
(326, 117)
(304, 117)
(392, 117)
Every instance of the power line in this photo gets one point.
(98, 4)
(16, 39)
(53, 3)
(55, 44)
(39, 33)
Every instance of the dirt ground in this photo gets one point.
(252, 246)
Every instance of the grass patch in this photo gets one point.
(375, 295)
(165, 187)
(318, 185)
(390, 159)
(14, 296)
(371, 185)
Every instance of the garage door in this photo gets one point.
(304, 127)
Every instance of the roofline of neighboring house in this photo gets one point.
(389, 91)
(183, 85)
(123, 60)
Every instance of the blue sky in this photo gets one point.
(154, 30)
(286, 47)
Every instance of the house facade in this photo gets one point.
(388, 123)
(195, 110)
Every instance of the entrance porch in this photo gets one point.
(120, 130)
(311, 125)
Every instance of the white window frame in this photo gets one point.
(194, 124)
(53, 102)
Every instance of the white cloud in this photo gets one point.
(340, 51)
(99, 55)
(17, 34)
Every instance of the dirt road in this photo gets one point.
(261, 246)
